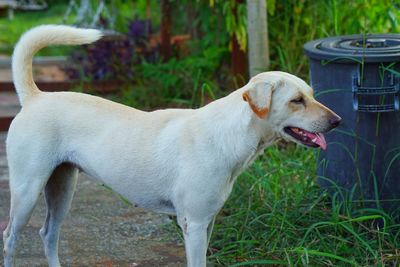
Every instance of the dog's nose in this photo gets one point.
(335, 121)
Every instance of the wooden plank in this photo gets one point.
(5, 123)
(96, 86)
(5, 61)
(9, 108)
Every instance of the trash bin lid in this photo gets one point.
(358, 47)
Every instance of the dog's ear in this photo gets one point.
(259, 97)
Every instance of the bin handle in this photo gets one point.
(358, 90)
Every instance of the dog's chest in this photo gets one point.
(241, 166)
(236, 171)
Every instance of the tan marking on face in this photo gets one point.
(260, 112)
(311, 106)
(296, 107)
(318, 107)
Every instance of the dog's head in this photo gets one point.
(286, 103)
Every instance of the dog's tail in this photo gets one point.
(35, 39)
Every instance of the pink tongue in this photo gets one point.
(320, 139)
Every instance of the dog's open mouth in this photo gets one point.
(306, 138)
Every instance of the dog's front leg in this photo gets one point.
(195, 234)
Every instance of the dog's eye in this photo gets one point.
(299, 100)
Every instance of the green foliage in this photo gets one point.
(293, 23)
(177, 83)
(205, 21)
(235, 21)
(278, 216)
(11, 30)
(128, 10)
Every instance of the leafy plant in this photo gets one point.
(178, 83)
(235, 21)
(115, 57)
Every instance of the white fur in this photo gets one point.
(177, 161)
(34, 40)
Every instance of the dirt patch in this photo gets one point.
(100, 230)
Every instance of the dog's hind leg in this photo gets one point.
(24, 195)
(59, 192)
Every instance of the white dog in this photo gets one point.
(177, 161)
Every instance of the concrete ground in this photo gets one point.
(100, 230)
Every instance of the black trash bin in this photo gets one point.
(358, 77)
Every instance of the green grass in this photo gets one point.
(278, 216)
(11, 30)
